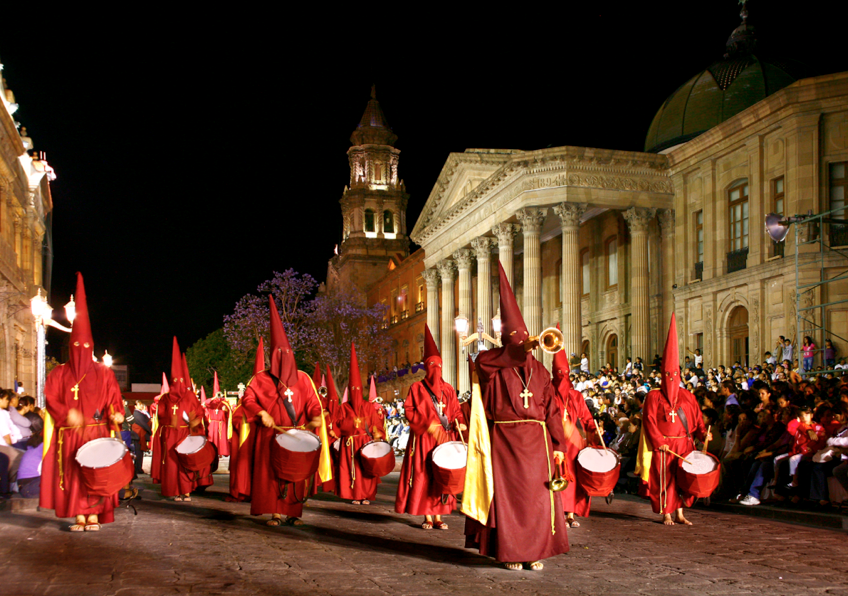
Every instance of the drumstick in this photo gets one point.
(461, 438)
(678, 455)
(600, 436)
(705, 437)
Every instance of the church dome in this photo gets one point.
(720, 91)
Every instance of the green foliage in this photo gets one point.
(212, 353)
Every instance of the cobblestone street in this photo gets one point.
(211, 546)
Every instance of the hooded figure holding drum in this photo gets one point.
(434, 419)
(84, 407)
(290, 442)
(670, 418)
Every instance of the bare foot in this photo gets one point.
(514, 566)
(667, 519)
(682, 520)
(536, 566)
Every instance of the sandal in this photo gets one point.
(366, 502)
(572, 523)
(356, 503)
(133, 492)
(427, 525)
(92, 527)
(187, 499)
(514, 566)
(274, 522)
(440, 525)
(536, 566)
(77, 528)
(294, 521)
(178, 499)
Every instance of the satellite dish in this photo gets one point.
(774, 228)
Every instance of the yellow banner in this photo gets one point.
(643, 456)
(325, 464)
(48, 433)
(479, 483)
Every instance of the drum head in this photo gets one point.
(101, 453)
(597, 460)
(191, 444)
(700, 463)
(452, 455)
(299, 441)
(376, 449)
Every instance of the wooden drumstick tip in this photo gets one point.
(600, 436)
(706, 441)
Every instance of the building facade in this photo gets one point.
(609, 243)
(25, 206)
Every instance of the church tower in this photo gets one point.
(373, 205)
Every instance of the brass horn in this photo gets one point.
(558, 483)
(378, 400)
(550, 340)
(322, 391)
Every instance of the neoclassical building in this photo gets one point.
(25, 206)
(609, 243)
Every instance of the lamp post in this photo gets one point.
(479, 336)
(107, 359)
(43, 314)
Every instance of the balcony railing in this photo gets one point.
(737, 259)
(419, 307)
(699, 271)
(395, 319)
(404, 314)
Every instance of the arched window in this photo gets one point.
(388, 222)
(369, 220)
(585, 272)
(611, 252)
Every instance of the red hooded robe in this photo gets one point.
(97, 398)
(241, 443)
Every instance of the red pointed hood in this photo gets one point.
(165, 387)
(354, 382)
(203, 399)
(372, 389)
(283, 365)
(316, 375)
(178, 380)
(430, 347)
(670, 383)
(216, 387)
(513, 328)
(259, 363)
(189, 383)
(332, 393)
(82, 343)
(432, 362)
(562, 370)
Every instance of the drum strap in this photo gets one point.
(288, 405)
(442, 418)
(685, 422)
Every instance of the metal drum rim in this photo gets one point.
(123, 452)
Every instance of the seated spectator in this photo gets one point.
(10, 458)
(762, 470)
(18, 408)
(809, 438)
(29, 472)
(832, 460)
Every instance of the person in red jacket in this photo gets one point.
(810, 436)
(434, 416)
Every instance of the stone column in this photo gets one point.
(464, 257)
(572, 294)
(431, 277)
(483, 248)
(666, 217)
(506, 234)
(531, 219)
(638, 219)
(447, 270)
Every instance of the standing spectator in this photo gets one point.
(584, 363)
(788, 351)
(638, 366)
(10, 458)
(728, 392)
(829, 355)
(29, 472)
(771, 359)
(808, 349)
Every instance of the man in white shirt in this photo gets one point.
(10, 458)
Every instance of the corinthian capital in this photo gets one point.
(431, 277)
(638, 218)
(666, 217)
(483, 246)
(532, 218)
(570, 214)
(506, 233)
(447, 269)
(463, 257)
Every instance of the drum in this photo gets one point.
(295, 455)
(699, 478)
(377, 459)
(449, 461)
(107, 466)
(195, 452)
(597, 470)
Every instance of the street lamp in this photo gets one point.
(107, 359)
(43, 314)
(480, 335)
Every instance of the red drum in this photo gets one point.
(195, 452)
(295, 455)
(597, 470)
(699, 478)
(377, 459)
(107, 466)
(449, 461)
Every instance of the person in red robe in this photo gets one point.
(525, 522)
(179, 415)
(670, 418)
(329, 400)
(217, 411)
(279, 399)
(355, 419)
(83, 403)
(241, 443)
(578, 426)
(434, 417)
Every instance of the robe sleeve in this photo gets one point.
(416, 410)
(584, 414)
(345, 421)
(699, 431)
(113, 394)
(553, 418)
(649, 420)
(56, 406)
(250, 402)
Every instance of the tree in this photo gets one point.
(212, 353)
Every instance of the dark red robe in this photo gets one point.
(173, 429)
(416, 495)
(351, 483)
(267, 493)
(574, 498)
(525, 521)
(241, 454)
(217, 419)
(99, 397)
(664, 429)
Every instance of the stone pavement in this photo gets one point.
(210, 546)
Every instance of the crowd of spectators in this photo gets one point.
(21, 438)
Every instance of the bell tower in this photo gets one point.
(373, 205)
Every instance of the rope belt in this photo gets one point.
(349, 443)
(547, 459)
(60, 451)
(665, 437)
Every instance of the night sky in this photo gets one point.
(198, 151)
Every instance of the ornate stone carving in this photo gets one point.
(532, 218)
(464, 257)
(431, 277)
(570, 214)
(447, 269)
(506, 232)
(483, 246)
(638, 218)
(666, 217)
(755, 329)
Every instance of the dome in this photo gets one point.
(719, 92)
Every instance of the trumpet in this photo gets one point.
(558, 483)
(322, 391)
(378, 400)
(550, 340)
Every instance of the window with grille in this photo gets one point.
(739, 216)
